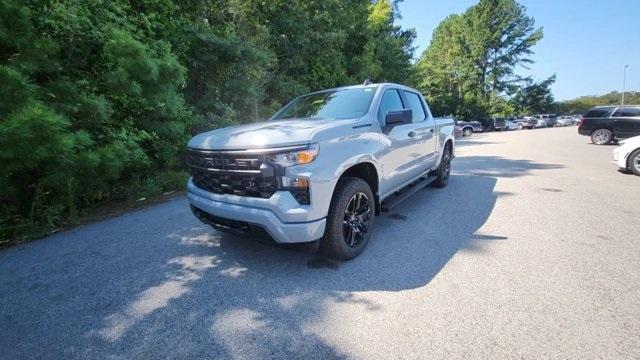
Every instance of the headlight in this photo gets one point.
(297, 157)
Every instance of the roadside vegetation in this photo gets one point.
(582, 104)
(98, 98)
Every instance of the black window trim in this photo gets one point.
(402, 101)
(622, 108)
(424, 111)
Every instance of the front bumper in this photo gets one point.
(620, 155)
(262, 216)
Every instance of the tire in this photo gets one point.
(444, 170)
(602, 136)
(634, 162)
(520, 126)
(467, 132)
(348, 233)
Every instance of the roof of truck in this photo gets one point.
(372, 85)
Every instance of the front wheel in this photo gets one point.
(602, 136)
(350, 219)
(467, 132)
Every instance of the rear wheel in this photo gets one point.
(520, 126)
(444, 170)
(350, 219)
(601, 136)
(634, 162)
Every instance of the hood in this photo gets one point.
(631, 142)
(263, 134)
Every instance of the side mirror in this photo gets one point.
(399, 117)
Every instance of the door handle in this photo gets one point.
(412, 134)
(431, 130)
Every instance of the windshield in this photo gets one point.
(332, 104)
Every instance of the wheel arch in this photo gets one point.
(368, 172)
(630, 158)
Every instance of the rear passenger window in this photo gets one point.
(596, 113)
(391, 101)
(415, 104)
(627, 112)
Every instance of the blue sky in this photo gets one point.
(586, 43)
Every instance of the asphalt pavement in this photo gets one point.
(532, 251)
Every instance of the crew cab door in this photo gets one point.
(423, 132)
(401, 162)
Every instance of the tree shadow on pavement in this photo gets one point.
(157, 283)
(460, 143)
(498, 167)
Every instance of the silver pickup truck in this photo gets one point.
(321, 168)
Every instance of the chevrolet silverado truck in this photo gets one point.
(321, 168)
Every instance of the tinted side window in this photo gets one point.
(391, 101)
(627, 112)
(415, 104)
(596, 113)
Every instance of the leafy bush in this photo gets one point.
(98, 98)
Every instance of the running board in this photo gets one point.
(402, 195)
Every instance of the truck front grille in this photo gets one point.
(230, 173)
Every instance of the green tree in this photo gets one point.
(469, 68)
(98, 98)
(534, 98)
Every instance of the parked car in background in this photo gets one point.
(510, 125)
(525, 122)
(605, 124)
(546, 120)
(564, 121)
(495, 124)
(457, 131)
(627, 155)
(469, 127)
(321, 168)
(576, 119)
(552, 120)
(541, 121)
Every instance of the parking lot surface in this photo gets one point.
(532, 251)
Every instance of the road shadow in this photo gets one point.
(157, 283)
(464, 142)
(499, 167)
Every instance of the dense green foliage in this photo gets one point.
(582, 104)
(469, 69)
(98, 98)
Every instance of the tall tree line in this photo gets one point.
(98, 97)
(470, 68)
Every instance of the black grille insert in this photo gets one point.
(232, 173)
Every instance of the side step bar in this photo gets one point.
(402, 195)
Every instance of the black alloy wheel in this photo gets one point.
(355, 225)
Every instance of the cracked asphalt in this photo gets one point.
(532, 251)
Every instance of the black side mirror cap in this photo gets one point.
(398, 117)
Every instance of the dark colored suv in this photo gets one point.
(493, 124)
(605, 124)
